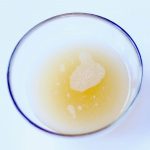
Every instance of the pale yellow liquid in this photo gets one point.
(67, 111)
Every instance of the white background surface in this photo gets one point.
(16, 17)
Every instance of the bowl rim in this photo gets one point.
(72, 14)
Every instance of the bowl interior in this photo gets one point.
(50, 37)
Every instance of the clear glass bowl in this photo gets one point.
(62, 31)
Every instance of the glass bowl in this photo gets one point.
(61, 31)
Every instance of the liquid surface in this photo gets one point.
(70, 109)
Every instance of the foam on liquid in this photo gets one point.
(86, 75)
